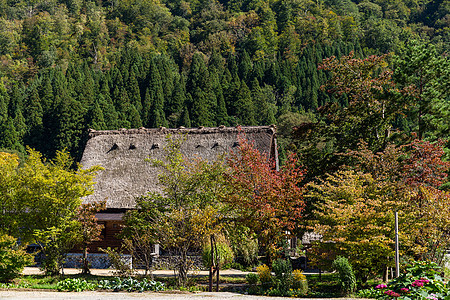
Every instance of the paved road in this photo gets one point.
(39, 295)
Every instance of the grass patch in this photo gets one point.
(325, 285)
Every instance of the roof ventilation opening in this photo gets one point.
(132, 147)
(199, 146)
(114, 147)
(236, 144)
(216, 144)
(155, 146)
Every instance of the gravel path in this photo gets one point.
(39, 295)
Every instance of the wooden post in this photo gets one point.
(397, 255)
(211, 268)
(217, 279)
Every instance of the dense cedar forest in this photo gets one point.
(70, 65)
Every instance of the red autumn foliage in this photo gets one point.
(424, 166)
(269, 201)
(90, 228)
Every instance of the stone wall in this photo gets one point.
(96, 260)
(101, 261)
(170, 262)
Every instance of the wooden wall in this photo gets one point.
(108, 238)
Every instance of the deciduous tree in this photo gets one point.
(267, 200)
(372, 106)
(188, 209)
(90, 229)
(39, 202)
(354, 207)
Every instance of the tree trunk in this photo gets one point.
(85, 260)
(217, 279)
(211, 268)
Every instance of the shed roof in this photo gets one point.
(122, 154)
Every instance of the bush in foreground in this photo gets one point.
(286, 282)
(74, 285)
(12, 258)
(347, 279)
(131, 285)
(420, 280)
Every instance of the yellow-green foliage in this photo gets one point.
(299, 281)
(264, 273)
(224, 253)
(12, 258)
(298, 276)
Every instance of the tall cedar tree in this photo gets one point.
(426, 76)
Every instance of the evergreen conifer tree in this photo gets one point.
(243, 107)
(134, 117)
(133, 92)
(176, 103)
(204, 101)
(35, 126)
(245, 66)
(4, 99)
(95, 117)
(156, 94)
(264, 103)
(9, 138)
(147, 109)
(46, 94)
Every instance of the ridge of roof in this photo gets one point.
(197, 130)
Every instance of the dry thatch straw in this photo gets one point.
(122, 154)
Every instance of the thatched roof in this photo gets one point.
(122, 154)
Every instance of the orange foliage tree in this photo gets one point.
(268, 201)
(354, 208)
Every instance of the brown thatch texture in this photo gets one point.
(122, 154)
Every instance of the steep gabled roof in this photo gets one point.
(122, 154)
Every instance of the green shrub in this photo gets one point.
(420, 280)
(131, 285)
(264, 274)
(223, 250)
(245, 246)
(74, 285)
(283, 275)
(370, 293)
(12, 285)
(347, 279)
(118, 263)
(252, 278)
(12, 258)
(299, 282)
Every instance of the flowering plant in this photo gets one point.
(420, 280)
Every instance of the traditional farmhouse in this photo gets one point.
(126, 175)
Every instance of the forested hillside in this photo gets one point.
(70, 65)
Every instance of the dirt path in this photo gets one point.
(40, 295)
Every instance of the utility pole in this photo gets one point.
(397, 256)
